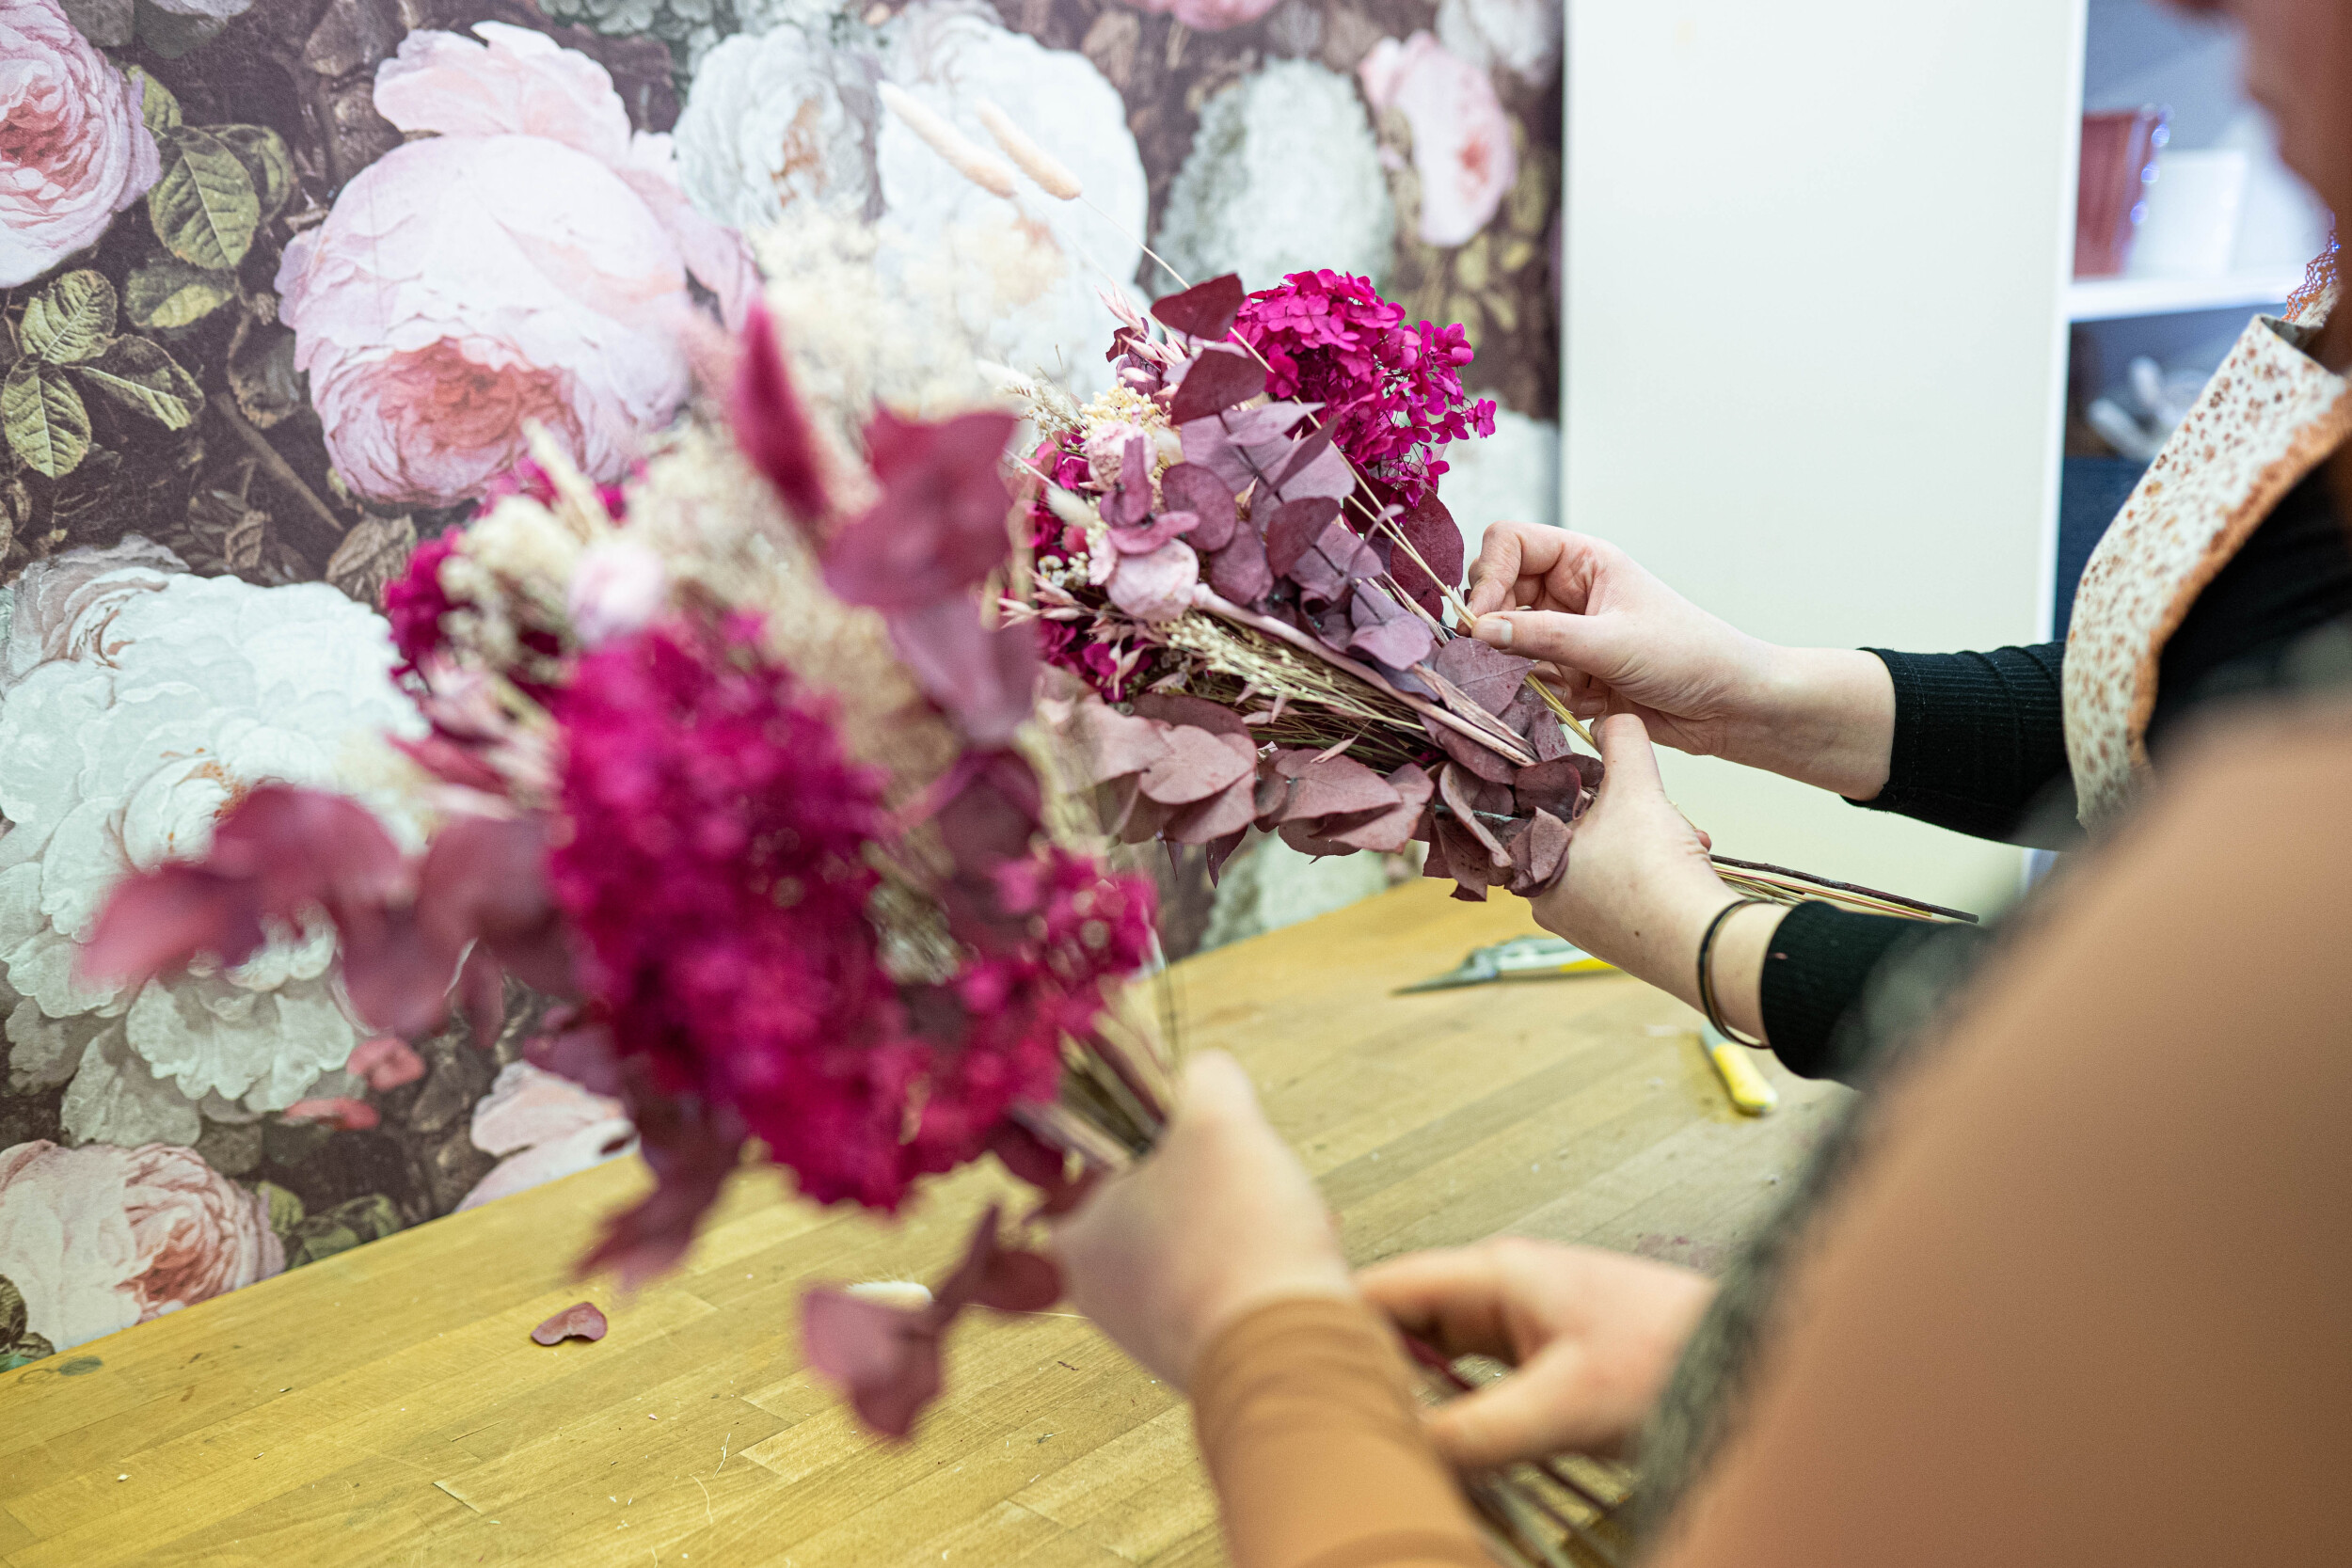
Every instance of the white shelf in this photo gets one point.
(2098, 299)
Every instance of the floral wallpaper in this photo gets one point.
(284, 284)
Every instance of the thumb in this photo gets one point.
(1579, 642)
(1629, 760)
(1216, 1090)
(1522, 1415)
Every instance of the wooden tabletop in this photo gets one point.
(386, 1405)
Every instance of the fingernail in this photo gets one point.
(1493, 630)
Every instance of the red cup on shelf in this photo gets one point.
(2119, 163)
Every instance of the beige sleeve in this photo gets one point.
(1309, 1428)
(2089, 1299)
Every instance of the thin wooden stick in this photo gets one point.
(1846, 887)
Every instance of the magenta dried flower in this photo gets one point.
(1392, 391)
(716, 875)
(415, 602)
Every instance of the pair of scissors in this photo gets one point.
(1521, 958)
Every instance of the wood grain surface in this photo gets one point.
(386, 1405)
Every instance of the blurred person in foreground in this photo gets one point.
(2227, 575)
(2069, 1289)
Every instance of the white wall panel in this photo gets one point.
(1815, 358)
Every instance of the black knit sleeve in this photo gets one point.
(1815, 969)
(1980, 739)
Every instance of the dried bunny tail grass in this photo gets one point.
(1051, 175)
(702, 509)
(983, 168)
(1072, 507)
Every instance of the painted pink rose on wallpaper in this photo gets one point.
(1462, 147)
(72, 149)
(545, 1126)
(1207, 16)
(527, 262)
(100, 1237)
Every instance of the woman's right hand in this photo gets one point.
(1592, 1337)
(1619, 639)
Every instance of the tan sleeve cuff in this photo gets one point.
(1307, 1422)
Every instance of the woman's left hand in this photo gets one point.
(1221, 1218)
(1639, 889)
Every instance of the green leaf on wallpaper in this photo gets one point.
(204, 208)
(168, 293)
(71, 320)
(262, 151)
(341, 1229)
(11, 1311)
(26, 1350)
(285, 1208)
(44, 420)
(157, 106)
(142, 377)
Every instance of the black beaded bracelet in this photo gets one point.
(1708, 1003)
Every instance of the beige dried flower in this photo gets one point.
(983, 168)
(1052, 176)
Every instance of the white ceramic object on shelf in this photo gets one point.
(2191, 227)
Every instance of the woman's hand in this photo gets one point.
(1220, 1219)
(1639, 889)
(1617, 639)
(1594, 1337)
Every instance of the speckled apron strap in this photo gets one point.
(2267, 418)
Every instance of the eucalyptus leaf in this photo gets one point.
(158, 107)
(169, 293)
(43, 419)
(140, 374)
(71, 320)
(262, 151)
(204, 208)
(11, 1311)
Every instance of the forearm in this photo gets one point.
(1312, 1440)
(1821, 716)
(1660, 944)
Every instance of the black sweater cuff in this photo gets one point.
(1814, 969)
(1978, 738)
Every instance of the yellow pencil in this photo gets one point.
(1750, 1090)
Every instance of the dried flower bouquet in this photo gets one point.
(757, 762)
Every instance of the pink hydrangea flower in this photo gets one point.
(73, 151)
(100, 1237)
(1462, 147)
(1393, 393)
(527, 262)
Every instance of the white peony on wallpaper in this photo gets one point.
(284, 282)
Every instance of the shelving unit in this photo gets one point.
(2098, 299)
